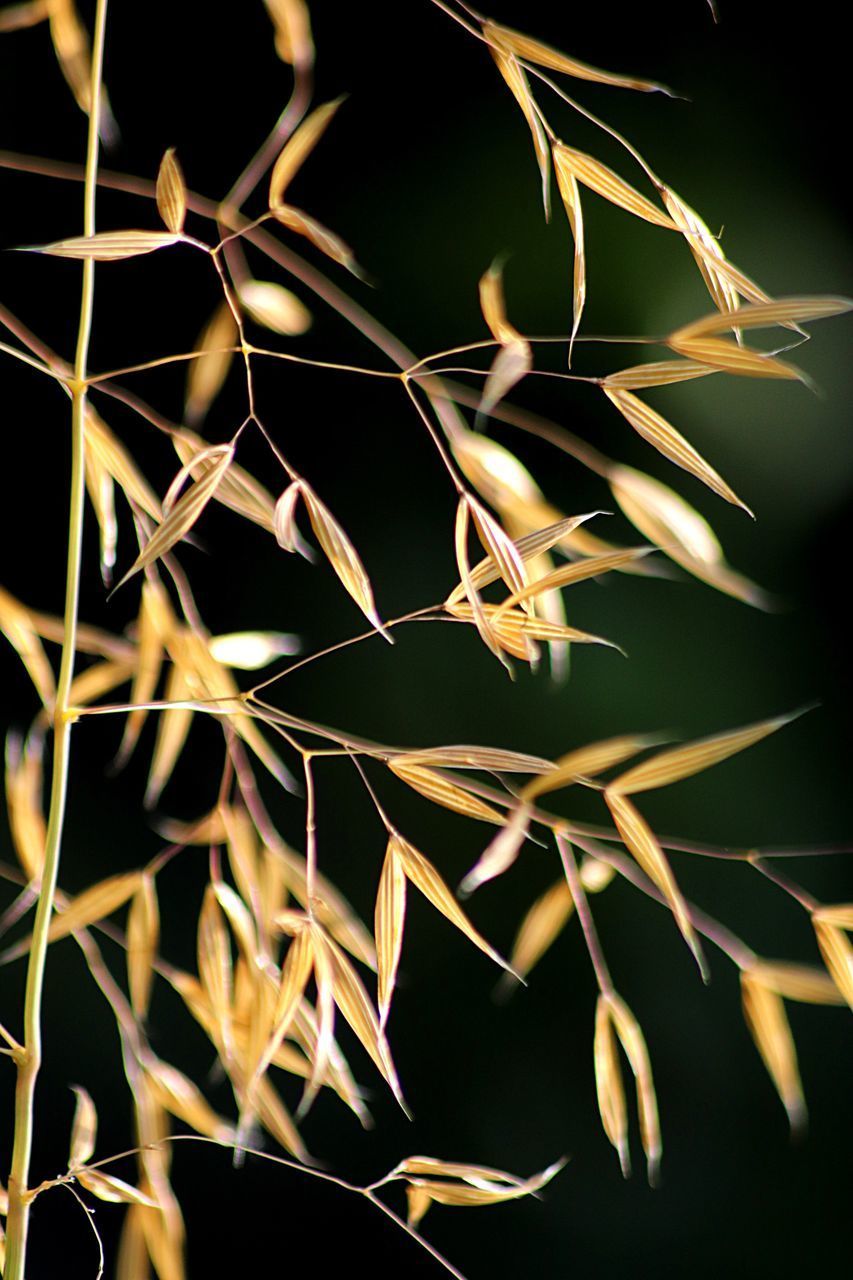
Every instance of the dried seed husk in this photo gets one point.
(292, 23)
(642, 843)
(84, 1128)
(297, 149)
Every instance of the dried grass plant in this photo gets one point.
(283, 961)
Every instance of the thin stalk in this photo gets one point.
(29, 1060)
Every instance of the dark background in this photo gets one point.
(428, 172)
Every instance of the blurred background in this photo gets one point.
(428, 172)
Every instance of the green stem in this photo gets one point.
(30, 1058)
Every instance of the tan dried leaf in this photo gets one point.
(17, 17)
(108, 246)
(355, 1005)
(793, 981)
(84, 1128)
(730, 358)
(155, 624)
(631, 1038)
(761, 315)
(666, 519)
(840, 915)
(179, 518)
(113, 1190)
(343, 557)
(101, 490)
(501, 852)
(207, 373)
(73, 53)
(172, 729)
(659, 433)
(143, 936)
(17, 625)
(171, 192)
(543, 55)
(178, 1095)
(543, 923)
(595, 175)
(274, 307)
(103, 444)
(492, 759)
(682, 762)
(585, 762)
(515, 358)
(514, 629)
(768, 1024)
(568, 574)
(418, 1201)
(567, 183)
(24, 806)
(293, 42)
(423, 875)
(483, 1191)
(516, 79)
(440, 790)
(93, 904)
(215, 965)
(705, 248)
(389, 918)
(836, 951)
(642, 843)
(529, 547)
(657, 373)
(328, 242)
(297, 149)
(608, 1084)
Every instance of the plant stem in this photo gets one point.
(30, 1058)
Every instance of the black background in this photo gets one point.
(428, 172)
